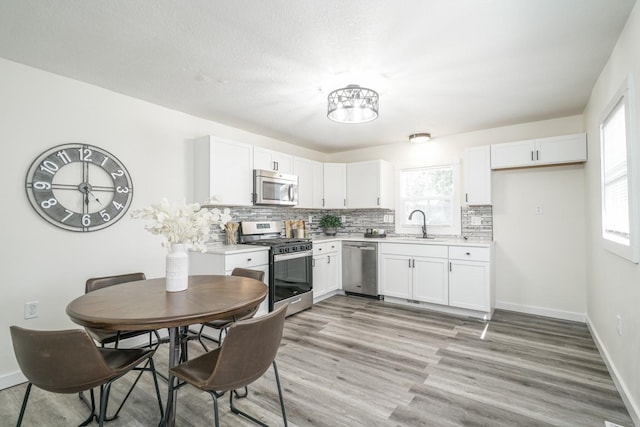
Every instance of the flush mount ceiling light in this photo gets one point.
(353, 104)
(419, 137)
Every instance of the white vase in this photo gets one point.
(177, 278)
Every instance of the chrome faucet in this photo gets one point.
(424, 222)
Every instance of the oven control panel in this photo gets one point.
(292, 248)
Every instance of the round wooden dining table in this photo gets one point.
(146, 305)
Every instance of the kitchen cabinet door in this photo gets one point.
(477, 175)
(513, 154)
(370, 185)
(310, 182)
(318, 185)
(223, 169)
(272, 160)
(469, 285)
(320, 275)
(395, 276)
(334, 274)
(335, 190)
(430, 280)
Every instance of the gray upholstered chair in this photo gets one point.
(68, 361)
(222, 324)
(246, 353)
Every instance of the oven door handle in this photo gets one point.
(284, 257)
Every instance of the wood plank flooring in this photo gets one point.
(358, 362)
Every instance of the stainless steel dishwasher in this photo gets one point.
(360, 268)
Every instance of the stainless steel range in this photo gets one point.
(290, 269)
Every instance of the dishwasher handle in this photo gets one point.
(363, 248)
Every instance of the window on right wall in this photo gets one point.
(618, 175)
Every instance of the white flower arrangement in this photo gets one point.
(188, 224)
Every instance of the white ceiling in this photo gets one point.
(440, 66)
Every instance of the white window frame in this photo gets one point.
(626, 248)
(454, 229)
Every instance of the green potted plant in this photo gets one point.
(330, 223)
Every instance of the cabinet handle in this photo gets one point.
(468, 253)
(466, 197)
(450, 269)
(322, 202)
(413, 264)
(313, 262)
(344, 202)
(248, 259)
(537, 155)
(532, 156)
(378, 202)
(329, 259)
(409, 262)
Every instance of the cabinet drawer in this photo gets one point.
(246, 260)
(432, 251)
(325, 247)
(470, 253)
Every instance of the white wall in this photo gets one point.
(43, 263)
(613, 283)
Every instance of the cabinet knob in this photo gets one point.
(248, 259)
(468, 253)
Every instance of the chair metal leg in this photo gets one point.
(237, 411)
(24, 404)
(93, 410)
(216, 418)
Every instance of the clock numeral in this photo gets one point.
(105, 216)
(69, 215)
(117, 205)
(117, 174)
(85, 154)
(49, 167)
(63, 156)
(46, 204)
(41, 185)
(104, 161)
(86, 220)
(122, 190)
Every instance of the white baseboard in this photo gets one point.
(540, 311)
(632, 407)
(12, 379)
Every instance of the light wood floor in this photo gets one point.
(358, 362)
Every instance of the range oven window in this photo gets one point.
(291, 275)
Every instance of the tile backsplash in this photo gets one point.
(477, 221)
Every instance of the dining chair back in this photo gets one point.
(222, 324)
(68, 361)
(245, 355)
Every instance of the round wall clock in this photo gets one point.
(79, 187)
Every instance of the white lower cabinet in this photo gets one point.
(470, 284)
(414, 272)
(451, 276)
(326, 268)
(224, 260)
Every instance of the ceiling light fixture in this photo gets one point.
(353, 104)
(419, 137)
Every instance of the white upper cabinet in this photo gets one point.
(335, 185)
(537, 152)
(310, 182)
(477, 175)
(370, 185)
(223, 169)
(272, 160)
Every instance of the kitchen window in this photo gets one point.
(618, 175)
(433, 190)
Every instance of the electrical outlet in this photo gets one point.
(539, 210)
(476, 220)
(31, 309)
(619, 324)
(343, 218)
(310, 219)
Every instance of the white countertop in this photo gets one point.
(404, 239)
(222, 249)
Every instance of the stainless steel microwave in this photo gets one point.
(274, 188)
